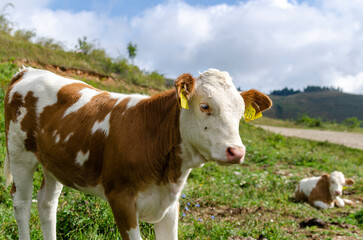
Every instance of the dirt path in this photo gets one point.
(353, 140)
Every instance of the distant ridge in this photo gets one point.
(328, 105)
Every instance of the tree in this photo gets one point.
(84, 46)
(132, 48)
(5, 25)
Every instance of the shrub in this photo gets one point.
(352, 122)
(305, 120)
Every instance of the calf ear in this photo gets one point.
(349, 181)
(325, 177)
(185, 83)
(259, 101)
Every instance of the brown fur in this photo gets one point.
(17, 77)
(300, 195)
(12, 190)
(349, 181)
(321, 191)
(259, 101)
(29, 122)
(142, 147)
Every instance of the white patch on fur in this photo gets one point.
(44, 84)
(135, 99)
(98, 190)
(103, 126)
(86, 96)
(118, 96)
(68, 137)
(308, 184)
(153, 203)
(82, 157)
(322, 205)
(57, 138)
(134, 233)
(167, 228)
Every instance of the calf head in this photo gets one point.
(336, 183)
(210, 127)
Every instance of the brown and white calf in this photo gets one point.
(324, 191)
(134, 151)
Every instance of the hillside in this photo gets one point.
(328, 105)
(23, 47)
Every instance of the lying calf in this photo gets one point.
(324, 191)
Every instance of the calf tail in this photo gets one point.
(7, 174)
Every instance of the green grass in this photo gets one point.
(49, 53)
(220, 202)
(332, 126)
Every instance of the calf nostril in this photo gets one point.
(230, 152)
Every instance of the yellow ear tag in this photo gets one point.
(250, 113)
(183, 100)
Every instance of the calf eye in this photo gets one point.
(204, 107)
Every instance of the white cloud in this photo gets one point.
(264, 44)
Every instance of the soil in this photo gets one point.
(353, 140)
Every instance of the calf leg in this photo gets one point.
(21, 192)
(123, 207)
(167, 228)
(322, 205)
(47, 205)
(339, 202)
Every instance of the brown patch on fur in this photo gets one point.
(300, 195)
(143, 145)
(124, 211)
(321, 191)
(17, 77)
(259, 101)
(60, 156)
(29, 122)
(12, 190)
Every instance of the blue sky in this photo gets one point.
(127, 8)
(263, 44)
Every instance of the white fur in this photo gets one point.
(57, 138)
(103, 126)
(308, 184)
(322, 205)
(22, 166)
(98, 190)
(81, 157)
(47, 205)
(167, 228)
(44, 85)
(68, 137)
(134, 233)
(135, 99)
(86, 96)
(7, 174)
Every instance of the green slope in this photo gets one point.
(328, 105)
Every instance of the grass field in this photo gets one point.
(234, 202)
(293, 124)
